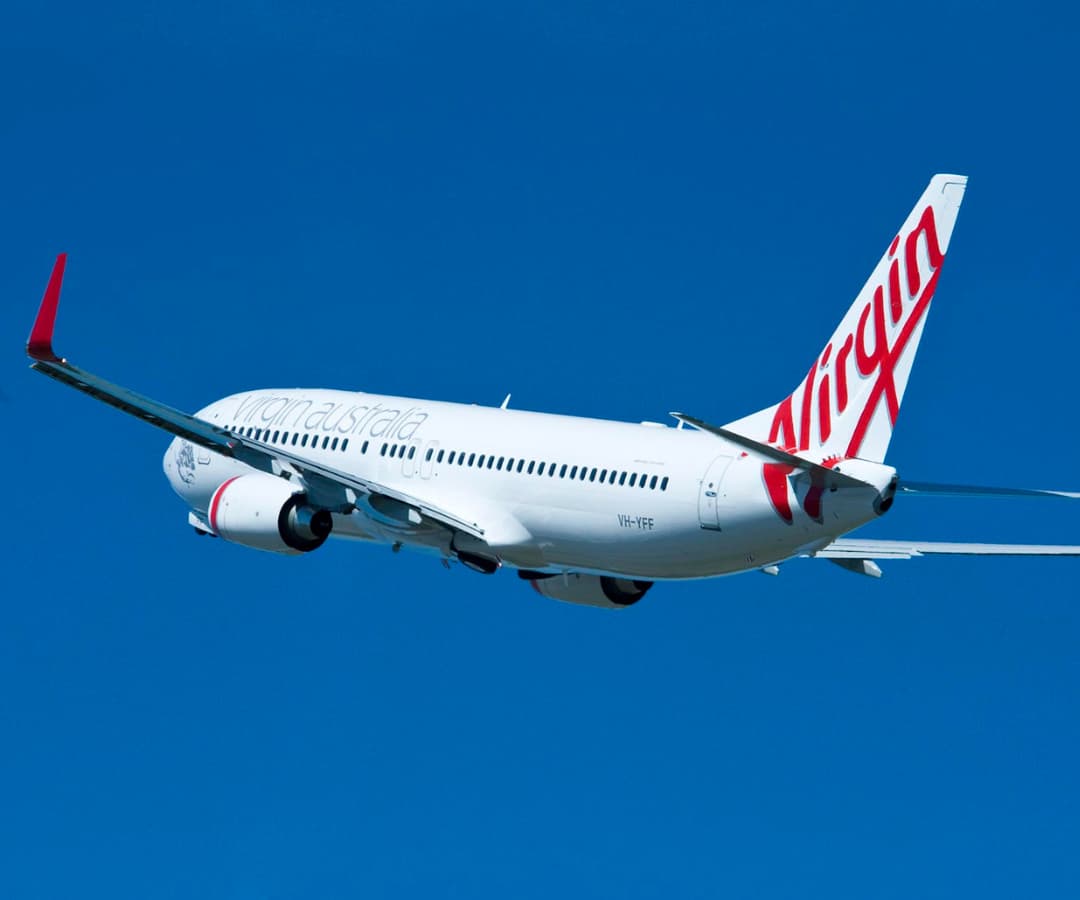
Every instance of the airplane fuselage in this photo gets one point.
(588, 511)
(555, 493)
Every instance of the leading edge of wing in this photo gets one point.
(855, 548)
(39, 347)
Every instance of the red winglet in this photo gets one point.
(40, 344)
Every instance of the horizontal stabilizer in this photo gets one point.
(929, 489)
(828, 476)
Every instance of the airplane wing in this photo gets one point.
(220, 440)
(856, 548)
(857, 555)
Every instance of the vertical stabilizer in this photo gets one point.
(847, 404)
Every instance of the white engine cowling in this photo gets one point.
(588, 590)
(267, 513)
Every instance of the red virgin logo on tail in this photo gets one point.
(866, 354)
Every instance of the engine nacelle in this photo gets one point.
(267, 513)
(588, 590)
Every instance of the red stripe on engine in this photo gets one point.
(215, 501)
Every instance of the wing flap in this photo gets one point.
(337, 479)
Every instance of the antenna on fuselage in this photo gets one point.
(505, 403)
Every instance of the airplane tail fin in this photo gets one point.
(846, 405)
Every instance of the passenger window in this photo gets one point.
(480, 462)
(521, 465)
(562, 471)
(540, 469)
(510, 464)
(295, 438)
(643, 481)
(491, 461)
(430, 453)
(622, 479)
(573, 473)
(664, 483)
(603, 475)
(472, 459)
(382, 450)
(344, 445)
(583, 474)
(499, 464)
(633, 478)
(363, 447)
(551, 470)
(652, 483)
(412, 452)
(333, 444)
(592, 475)
(325, 441)
(439, 458)
(532, 465)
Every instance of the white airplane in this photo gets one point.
(588, 511)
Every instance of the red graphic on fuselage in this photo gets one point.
(865, 354)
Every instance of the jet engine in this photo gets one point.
(588, 590)
(268, 513)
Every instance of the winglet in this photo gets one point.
(39, 346)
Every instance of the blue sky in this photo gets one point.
(608, 209)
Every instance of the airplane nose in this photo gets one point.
(173, 464)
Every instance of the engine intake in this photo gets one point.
(268, 513)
